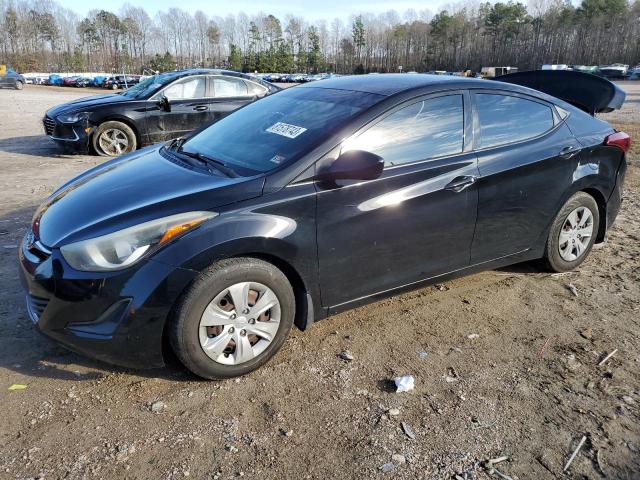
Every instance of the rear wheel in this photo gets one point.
(114, 138)
(233, 319)
(573, 233)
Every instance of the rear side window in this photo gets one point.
(254, 88)
(427, 129)
(506, 119)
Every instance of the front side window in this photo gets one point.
(188, 88)
(506, 119)
(423, 130)
(229, 87)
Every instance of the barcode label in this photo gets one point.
(286, 130)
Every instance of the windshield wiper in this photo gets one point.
(208, 161)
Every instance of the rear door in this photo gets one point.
(189, 109)
(526, 157)
(414, 222)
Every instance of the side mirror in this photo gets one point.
(164, 103)
(353, 165)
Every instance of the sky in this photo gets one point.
(308, 9)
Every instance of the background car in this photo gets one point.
(69, 81)
(158, 109)
(12, 79)
(316, 200)
(77, 81)
(121, 82)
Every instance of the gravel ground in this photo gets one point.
(505, 362)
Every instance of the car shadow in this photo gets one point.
(530, 266)
(25, 353)
(34, 145)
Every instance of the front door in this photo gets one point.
(414, 222)
(189, 109)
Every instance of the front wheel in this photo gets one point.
(114, 138)
(573, 233)
(19, 85)
(233, 319)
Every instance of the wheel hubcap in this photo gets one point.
(575, 234)
(113, 142)
(239, 323)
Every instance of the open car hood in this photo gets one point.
(588, 92)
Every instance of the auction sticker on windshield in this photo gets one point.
(286, 130)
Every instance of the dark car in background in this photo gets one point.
(69, 81)
(121, 82)
(76, 81)
(315, 200)
(81, 82)
(158, 109)
(12, 79)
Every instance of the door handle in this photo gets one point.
(200, 108)
(569, 151)
(458, 184)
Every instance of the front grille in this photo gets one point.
(40, 250)
(36, 306)
(49, 125)
(35, 248)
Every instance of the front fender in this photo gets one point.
(287, 241)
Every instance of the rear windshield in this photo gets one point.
(280, 128)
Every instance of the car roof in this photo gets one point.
(207, 71)
(388, 84)
(391, 83)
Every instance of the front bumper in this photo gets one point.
(73, 137)
(115, 317)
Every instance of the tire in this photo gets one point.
(19, 85)
(186, 335)
(107, 132)
(566, 254)
(114, 86)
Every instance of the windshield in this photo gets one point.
(278, 129)
(148, 86)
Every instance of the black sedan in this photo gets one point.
(315, 200)
(159, 108)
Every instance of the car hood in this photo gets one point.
(87, 104)
(132, 189)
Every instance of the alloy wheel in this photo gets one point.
(576, 234)
(239, 323)
(113, 142)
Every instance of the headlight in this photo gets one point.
(122, 249)
(72, 117)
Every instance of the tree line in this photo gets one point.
(42, 35)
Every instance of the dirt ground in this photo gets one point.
(505, 362)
